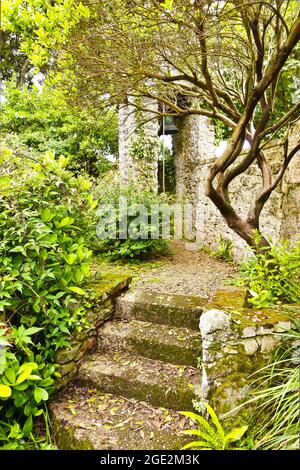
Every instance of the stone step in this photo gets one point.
(156, 341)
(84, 419)
(172, 309)
(156, 382)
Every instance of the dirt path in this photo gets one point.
(182, 272)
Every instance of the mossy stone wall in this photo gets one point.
(236, 342)
(103, 294)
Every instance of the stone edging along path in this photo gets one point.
(126, 394)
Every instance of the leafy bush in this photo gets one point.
(272, 276)
(26, 382)
(46, 215)
(211, 436)
(44, 120)
(129, 248)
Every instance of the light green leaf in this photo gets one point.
(215, 420)
(77, 290)
(199, 419)
(71, 258)
(24, 375)
(196, 444)
(236, 434)
(46, 215)
(40, 394)
(5, 391)
(65, 222)
(10, 374)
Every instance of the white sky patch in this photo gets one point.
(222, 147)
(167, 141)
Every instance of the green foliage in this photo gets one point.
(45, 216)
(147, 150)
(276, 398)
(130, 248)
(26, 382)
(272, 276)
(43, 120)
(144, 147)
(224, 251)
(41, 25)
(170, 171)
(211, 436)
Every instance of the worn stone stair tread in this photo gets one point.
(153, 381)
(156, 341)
(173, 309)
(85, 419)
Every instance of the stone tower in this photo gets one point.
(132, 129)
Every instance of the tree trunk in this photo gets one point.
(252, 235)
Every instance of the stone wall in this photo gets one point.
(194, 152)
(132, 169)
(103, 294)
(236, 343)
(280, 218)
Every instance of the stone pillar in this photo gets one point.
(290, 227)
(194, 152)
(142, 168)
(236, 343)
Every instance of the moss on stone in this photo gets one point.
(229, 297)
(141, 378)
(245, 317)
(156, 341)
(66, 438)
(176, 310)
(108, 285)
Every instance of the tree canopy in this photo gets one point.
(227, 60)
(234, 61)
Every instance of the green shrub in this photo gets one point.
(44, 120)
(114, 248)
(211, 434)
(26, 382)
(272, 276)
(46, 216)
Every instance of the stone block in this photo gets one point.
(69, 368)
(213, 320)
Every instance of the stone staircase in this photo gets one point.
(128, 392)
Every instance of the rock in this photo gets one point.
(64, 356)
(249, 332)
(268, 344)
(214, 320)
(283, 326)
(69, 369)
(296, 352)
(91, 343)
(250, 345)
